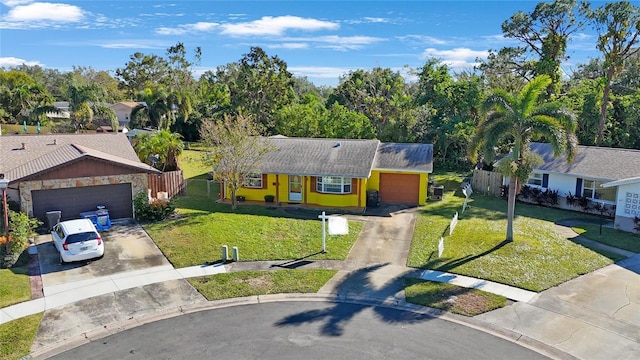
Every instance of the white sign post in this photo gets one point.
(440, 246)
(324, 232)
(453, 224)
(467, 191)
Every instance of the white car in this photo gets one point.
(77, 240)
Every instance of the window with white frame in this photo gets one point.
(253, 181)
(333, 184)
(593, 190)
(535, 179)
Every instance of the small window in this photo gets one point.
(333, 184)
(253, 181)
(535, 179)
(593, 189)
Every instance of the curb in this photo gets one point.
(168, 313)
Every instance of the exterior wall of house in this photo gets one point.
(627, 206)
(565, 184)
(373, 183)
(278, 186)
(138, 183)
(86, 168)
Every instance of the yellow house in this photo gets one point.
(338, 173)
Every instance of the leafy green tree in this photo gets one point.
(544, 33)
(153, 110)
(454, 107)
(519, 119)
(379, 94)
(618, 27)
(85, 101)
(236, 150)
(22, 98)
(159, 149)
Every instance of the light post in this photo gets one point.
(4, 183)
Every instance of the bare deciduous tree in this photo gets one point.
(236, 150)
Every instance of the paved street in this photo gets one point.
(302, 330)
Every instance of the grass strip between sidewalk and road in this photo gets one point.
(17, 336)
(451, 298)
(261, 282)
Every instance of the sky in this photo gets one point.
(319, 40)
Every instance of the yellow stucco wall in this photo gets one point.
(281, 182)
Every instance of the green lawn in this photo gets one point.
(248, 283)
(260, 233)
(452, 298)
(612, 237)
(16, 336)
(14, 286)
(538, 259)
(192, 165)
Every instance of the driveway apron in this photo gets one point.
(378, 259)
(127, 248)
(595, 316)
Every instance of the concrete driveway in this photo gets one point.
(595, 316)
(128, 249)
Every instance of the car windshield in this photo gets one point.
(85, 236)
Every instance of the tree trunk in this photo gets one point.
(604, 105)
(511, 206)
(234, 202)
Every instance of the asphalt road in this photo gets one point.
(301, 330)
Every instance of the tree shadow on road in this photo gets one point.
(354, 286)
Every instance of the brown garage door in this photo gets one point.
(73, 201)
(400, 188)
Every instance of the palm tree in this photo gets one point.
(519, 119)
(153, 109)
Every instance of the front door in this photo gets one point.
(295, 188)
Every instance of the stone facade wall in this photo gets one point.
(138, 184)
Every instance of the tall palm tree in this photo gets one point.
(519, 119)
(153, 110)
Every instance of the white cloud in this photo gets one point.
(12, 3)
(43, 11)
(346, 42)
(458, 58)
(269, 25)
(376, 20)
(423, 39)
(289, 46)
(187, 28)
(8, 62)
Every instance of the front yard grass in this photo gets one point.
(452, 298)
(538, 259)
(14, 286)
(202, 227)
(612, 237)
(249, 283)
(17, 336)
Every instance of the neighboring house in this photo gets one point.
(123, 111)
(610, 176)
(338, 172)
(73, 173)
(63, 113)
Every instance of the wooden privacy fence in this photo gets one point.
(171, 182)
(487, 182)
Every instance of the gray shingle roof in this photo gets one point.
(42, 152)
(399, 156)
(343, 157)
(592, 162)
(320, 157)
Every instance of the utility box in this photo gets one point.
(438, 192)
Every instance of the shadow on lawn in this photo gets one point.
(446, 266)
(357, 284)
